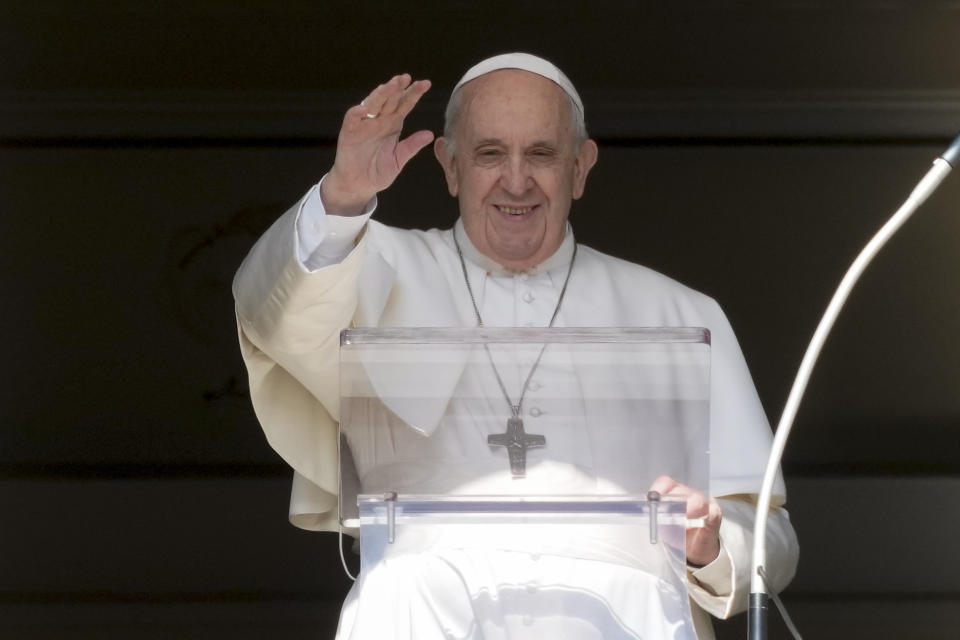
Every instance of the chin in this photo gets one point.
(519, 261)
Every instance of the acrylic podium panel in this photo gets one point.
(429, 411)
(520, 460)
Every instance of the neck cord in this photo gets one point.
(514, 408)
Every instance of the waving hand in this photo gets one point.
(370, 153)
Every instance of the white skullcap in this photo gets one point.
(525, 62)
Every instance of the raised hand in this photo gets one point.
(703, 543)
(370, 153)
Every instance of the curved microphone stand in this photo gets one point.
(756, 621)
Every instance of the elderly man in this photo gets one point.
(515, 154)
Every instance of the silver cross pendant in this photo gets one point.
(517, 441)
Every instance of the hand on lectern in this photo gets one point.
(370, 153)
(703, 543)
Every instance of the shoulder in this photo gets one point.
(611, 291)
(623, 274)
(398, 245)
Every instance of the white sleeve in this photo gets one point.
(721, 587)
(324, 239)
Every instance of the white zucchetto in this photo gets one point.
(524, 62)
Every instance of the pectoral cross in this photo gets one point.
(517, 441)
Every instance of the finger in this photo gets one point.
(411, 96)
(703, 546)
(374, 103)
(703, 543)
(412, 145)
(357, 120)
(375, 99)
(714, 515)
(400, 104)
(697, 505)
(402, 84)
(663, 485)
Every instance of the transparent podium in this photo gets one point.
(500, 479)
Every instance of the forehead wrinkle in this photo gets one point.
(552, 144)
(543, 142)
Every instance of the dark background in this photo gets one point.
(748, 149)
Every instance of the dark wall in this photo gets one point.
(749, 150)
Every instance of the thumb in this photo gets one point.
(411, 146)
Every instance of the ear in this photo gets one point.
(586, 158)
(442, 151)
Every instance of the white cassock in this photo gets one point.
(290, 311)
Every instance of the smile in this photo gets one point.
(515, 211)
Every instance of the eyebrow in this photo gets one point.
(538, 143)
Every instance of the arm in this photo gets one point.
(722, 588)
(296, 289)
(719, 553)
(370, 156)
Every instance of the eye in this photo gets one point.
(488, 155)
(542, 154)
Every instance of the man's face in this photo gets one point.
(515, 166)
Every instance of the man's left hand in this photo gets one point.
(703, 543)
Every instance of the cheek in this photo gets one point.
(477, 185)
(558, 186)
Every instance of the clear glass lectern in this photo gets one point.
(506, 472)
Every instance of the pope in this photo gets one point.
(523, 157)
(515, 154)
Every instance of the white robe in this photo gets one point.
(290, 318)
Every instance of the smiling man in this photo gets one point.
(515, 154)
(515, 157)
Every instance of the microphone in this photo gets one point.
(757, 608)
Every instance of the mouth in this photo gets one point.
(516, 211)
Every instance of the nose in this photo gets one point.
(515, 177)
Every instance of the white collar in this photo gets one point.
(560, 258)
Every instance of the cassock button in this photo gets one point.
(528, 297)
(536, 412)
